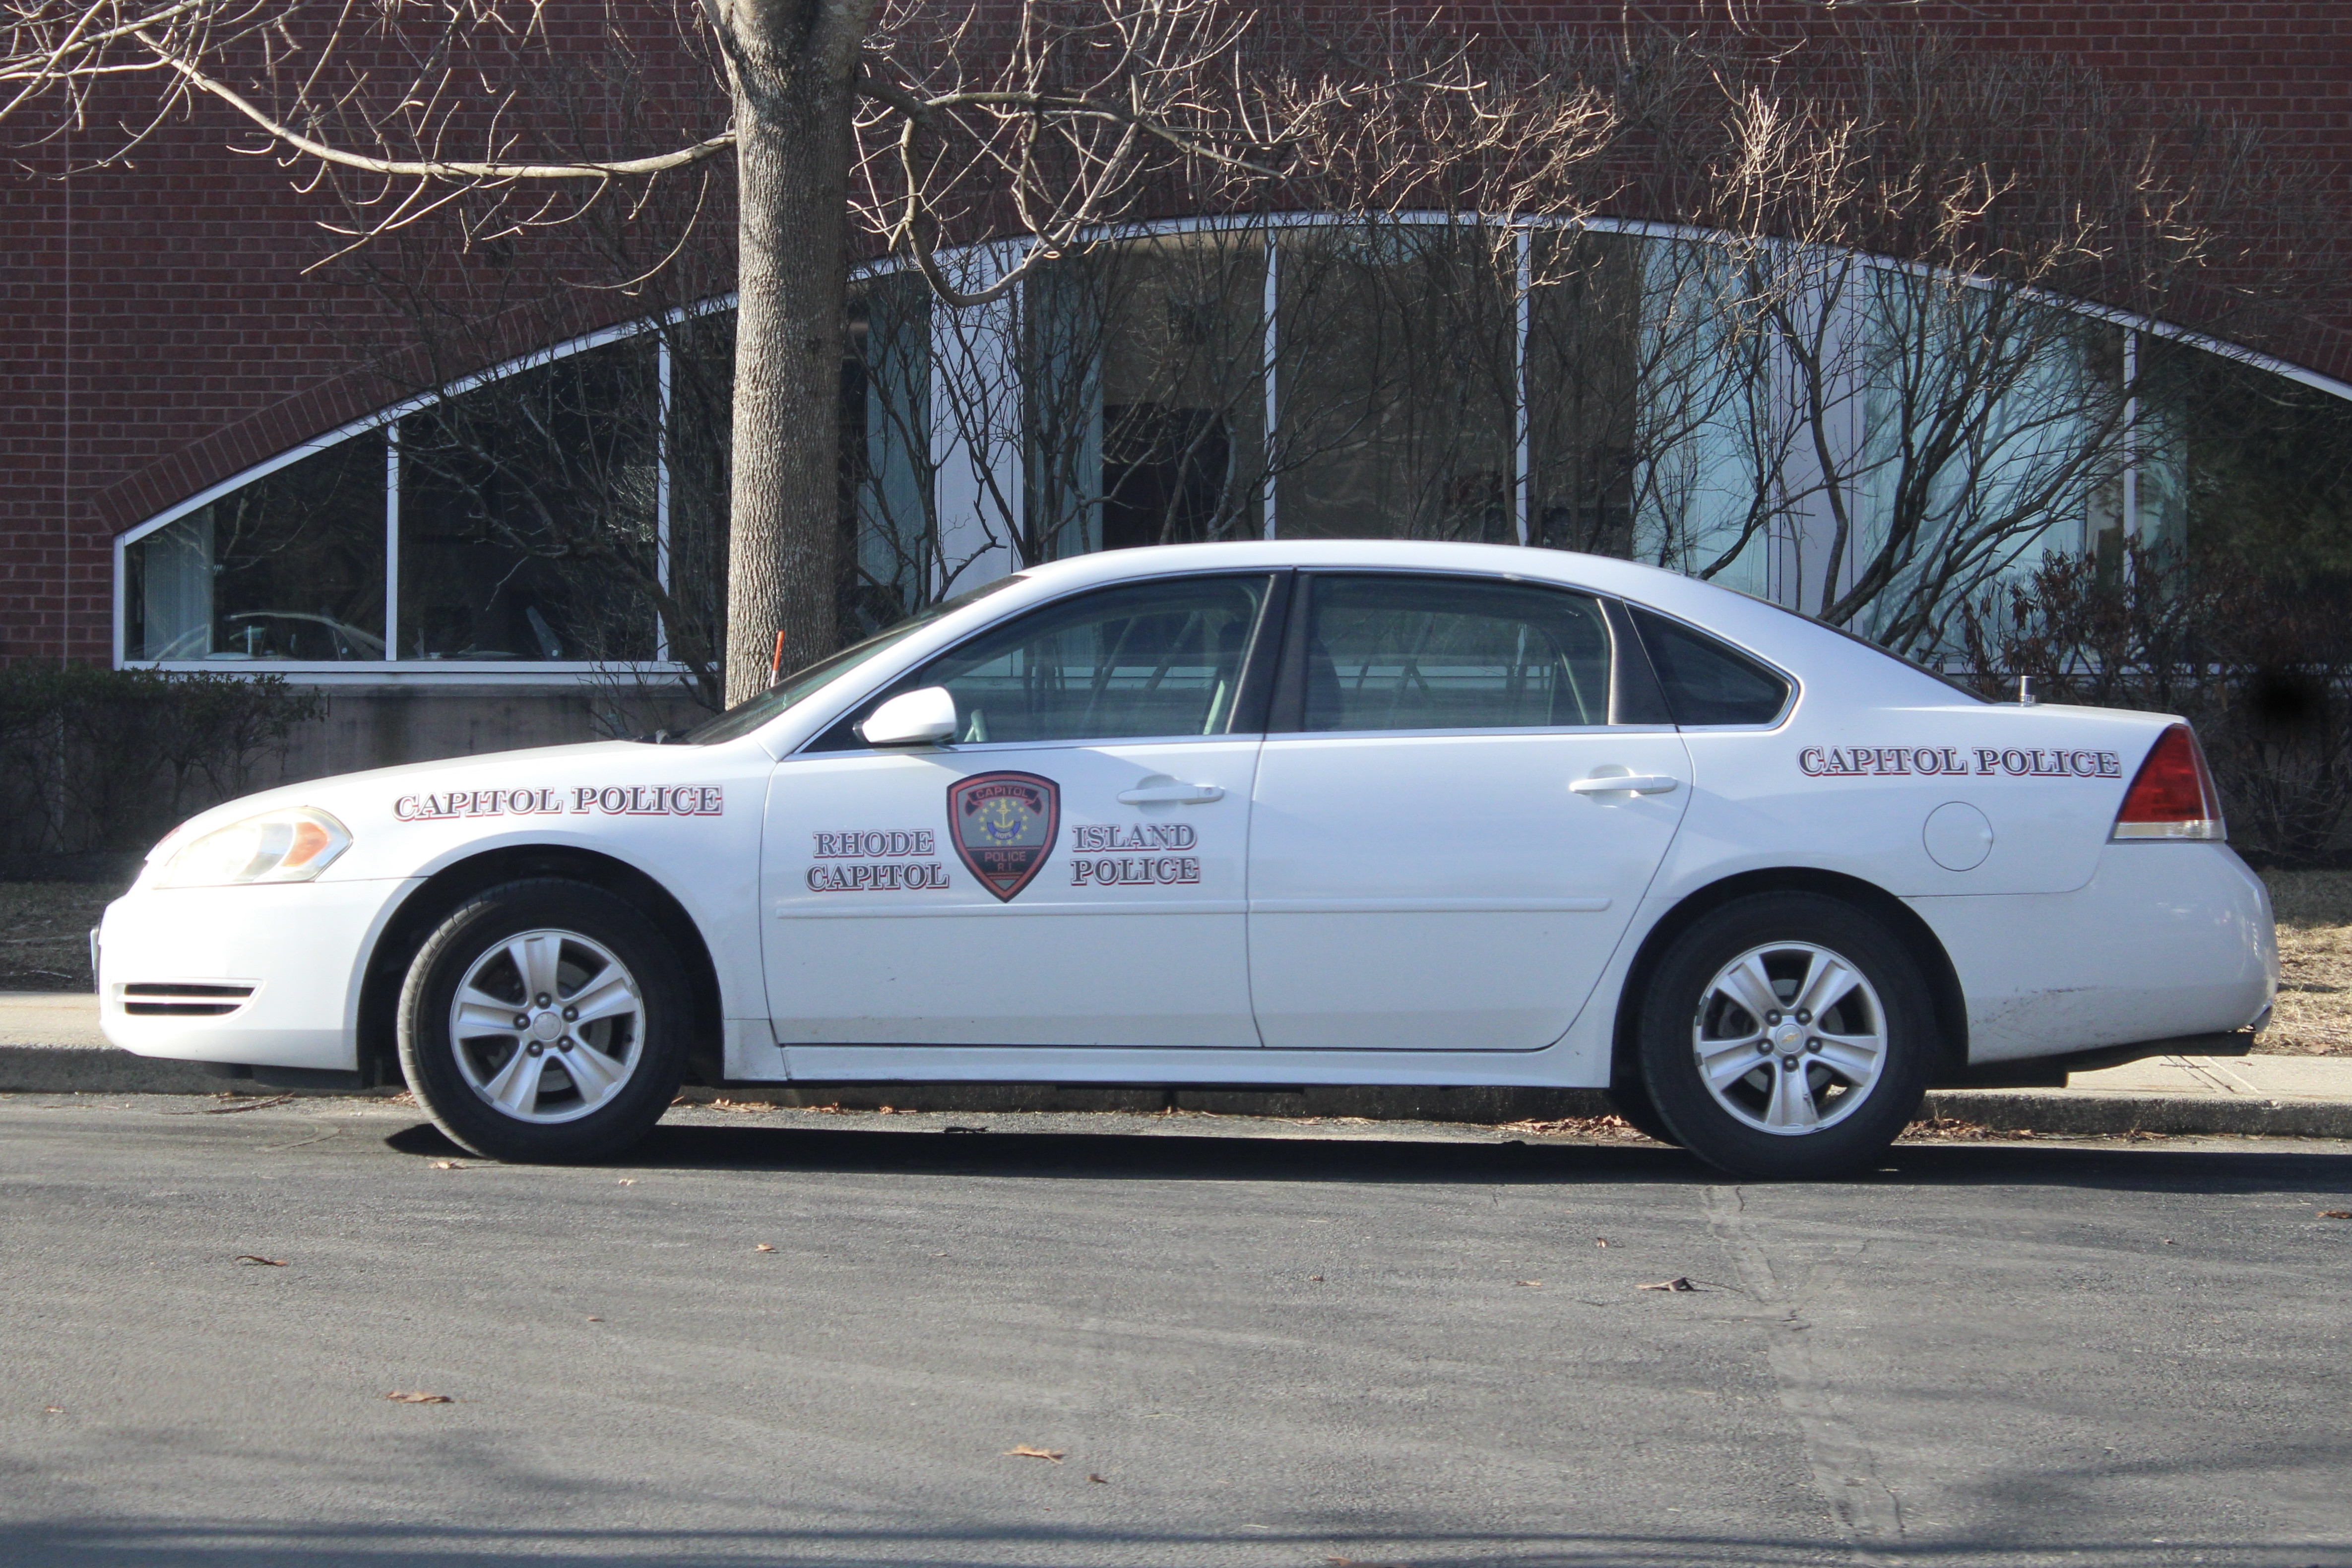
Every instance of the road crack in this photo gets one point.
(1845, 1470)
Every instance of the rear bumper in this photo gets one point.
(173, 964)
(2165, 941)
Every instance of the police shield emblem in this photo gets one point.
(1002, 826)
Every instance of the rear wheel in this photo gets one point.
(544, 1021)
(1787, 1036)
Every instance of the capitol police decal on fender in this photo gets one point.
(1002, 826)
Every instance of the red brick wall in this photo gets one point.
(162, 332)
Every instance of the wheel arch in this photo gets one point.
(1935, 964)
(429, 902)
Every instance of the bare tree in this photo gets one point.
(1064, 110)
(1856, 357)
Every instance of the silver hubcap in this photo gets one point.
(1790, 1038)
(547, 1026)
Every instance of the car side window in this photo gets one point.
(1142, 659)
(1390, 652)
(1707, 681)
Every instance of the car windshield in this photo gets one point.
(749, 715)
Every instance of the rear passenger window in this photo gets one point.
(1441, 652)
(1707, 681)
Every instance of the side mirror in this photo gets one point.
(925, 718)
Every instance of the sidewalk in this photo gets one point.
(49, 1044)
(2284, 1096)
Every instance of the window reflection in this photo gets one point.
(885, 453)
(1144, 394)
(528, 516)
(1583, 381)
(290, 566)
(1433, 653)
(1158, 658)
(1397, 376)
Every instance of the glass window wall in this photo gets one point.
(1396, 383)
(1144, 394)
(1819, 429)
(288, 568)
(529, 523)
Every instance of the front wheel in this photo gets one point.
(1787, 1036)
(544, 1021)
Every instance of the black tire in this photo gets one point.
(1787, 934)
(1631, 1097)
(592, 1112)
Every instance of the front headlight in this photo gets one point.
(291, 845)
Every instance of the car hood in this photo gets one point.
(344, 793)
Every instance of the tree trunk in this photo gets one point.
(792, 109)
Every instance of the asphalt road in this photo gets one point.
(1378, 1346)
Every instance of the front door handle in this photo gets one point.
(1625, 784)
(1166, 791)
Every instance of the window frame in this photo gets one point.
(1634, 689)
(1251, 701)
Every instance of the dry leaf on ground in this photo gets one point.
(449, 1164)
(1527, 1282)
(1575, 1127)
(1025, 1451)
(418, 1397)
(1952, 1129)
(763, 1247)
(53, 1409)
(257, 1258)
(1678, 1282)
(2335, 1214)
(1102, 1480)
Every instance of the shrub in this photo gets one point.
(2262, 665)
(96, 760)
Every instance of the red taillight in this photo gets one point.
(2172, 796)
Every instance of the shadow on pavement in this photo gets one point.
(1114, 1156)
(70, 1544)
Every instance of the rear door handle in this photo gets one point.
(1624, 784)
(1169, 792)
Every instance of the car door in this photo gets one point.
(1068, 872)
(1450, 834)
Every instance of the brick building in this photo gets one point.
(172, 357)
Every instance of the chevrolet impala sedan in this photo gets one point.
(1327, 813)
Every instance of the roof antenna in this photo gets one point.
(2025, 691)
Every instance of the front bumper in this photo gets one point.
(264, 977)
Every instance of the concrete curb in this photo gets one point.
(2090, 1112)
(80, 1070)
(2084, 1113)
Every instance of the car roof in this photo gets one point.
(1778, 635)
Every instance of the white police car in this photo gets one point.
(1370, 814)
